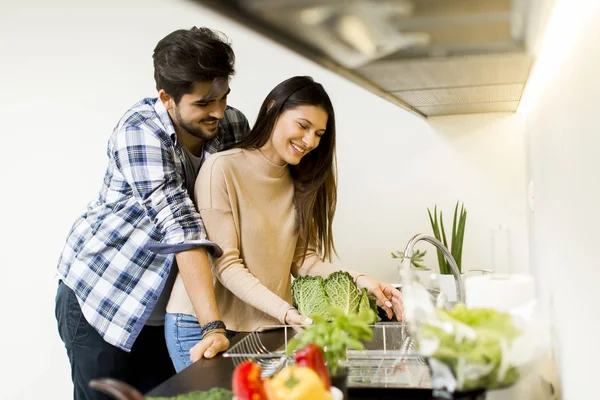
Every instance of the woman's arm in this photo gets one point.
(214, 203)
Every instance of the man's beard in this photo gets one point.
(196, 130)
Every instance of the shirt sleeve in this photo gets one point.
(148, 166)
(214, 203)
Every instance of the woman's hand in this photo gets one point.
(293, 317)
(210, 346)
(388, 297)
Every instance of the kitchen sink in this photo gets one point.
(389, 360)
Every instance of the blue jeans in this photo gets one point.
(182, 332)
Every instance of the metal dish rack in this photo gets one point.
(389, 360)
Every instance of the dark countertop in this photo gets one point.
(217, 372)
(202, 375)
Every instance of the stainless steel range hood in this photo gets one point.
(432, 57)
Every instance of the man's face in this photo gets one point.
(198, 113)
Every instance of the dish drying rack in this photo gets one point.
(389, 360)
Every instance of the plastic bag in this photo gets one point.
(471, 349)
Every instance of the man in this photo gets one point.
(117, 267)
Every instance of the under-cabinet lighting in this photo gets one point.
(562, 31)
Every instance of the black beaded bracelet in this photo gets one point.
(212, 325)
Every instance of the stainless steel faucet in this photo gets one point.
(408, 252)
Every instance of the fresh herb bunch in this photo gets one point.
(458, 233)
(416, 260)
(335, 336)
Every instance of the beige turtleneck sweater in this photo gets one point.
(247, 205)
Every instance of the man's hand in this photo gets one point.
(209, 347)
(388, 297)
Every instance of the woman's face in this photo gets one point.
(296, 132)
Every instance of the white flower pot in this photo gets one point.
(448, 286)
(446, 283)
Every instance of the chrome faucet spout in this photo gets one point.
(408, 252)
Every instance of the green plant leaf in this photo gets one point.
(293, 344)
(355, 344)
(447, 269)
(335, 337)
(458, 229)
(460, 236)
(436, 233)
(454, 241)
(416, 259)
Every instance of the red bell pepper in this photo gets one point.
(247, 383)
(311, 356)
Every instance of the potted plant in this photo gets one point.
(455, 245)
(416, 260)
(445, 279)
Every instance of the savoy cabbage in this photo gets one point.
(313, 295)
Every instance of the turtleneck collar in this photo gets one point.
(263, 165)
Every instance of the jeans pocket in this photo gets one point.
(182, 333)
(188, 325)
(60, 311)
(76, 323)
(188, 332)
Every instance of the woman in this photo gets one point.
(269, 204)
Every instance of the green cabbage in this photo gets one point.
(313, 295)
(309, 296)
(367, 302)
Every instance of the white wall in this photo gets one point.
(69, 70)
(564, 141)
(384, 194)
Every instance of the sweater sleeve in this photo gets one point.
(216, 204)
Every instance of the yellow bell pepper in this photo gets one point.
(296, 383)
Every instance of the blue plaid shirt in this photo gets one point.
(112, 259)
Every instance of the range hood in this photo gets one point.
(432, 57)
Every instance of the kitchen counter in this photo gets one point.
(217, 372)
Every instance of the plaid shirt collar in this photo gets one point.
(165, 119)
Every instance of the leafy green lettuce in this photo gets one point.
(313, 295)
(476, 356)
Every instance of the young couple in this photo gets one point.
(136, 294)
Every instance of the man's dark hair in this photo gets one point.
(187, 56)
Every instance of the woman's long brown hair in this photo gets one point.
(315, 176)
